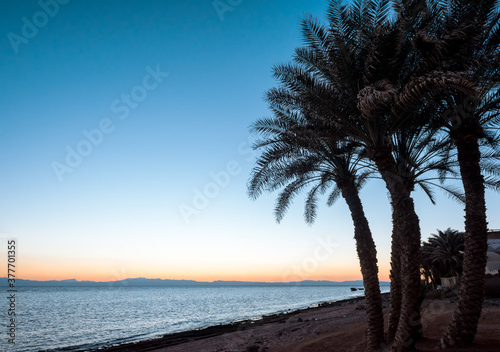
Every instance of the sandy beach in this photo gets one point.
(334, 326)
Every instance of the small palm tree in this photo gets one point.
(443, 253)
(296, 157)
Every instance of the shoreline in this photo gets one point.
(179, 338)
(338, 326)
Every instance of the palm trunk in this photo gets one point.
(434, 279)
(395, 280)
(367, 254)
(463, 326)
(409, 326)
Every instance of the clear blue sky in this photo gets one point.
(173, 87)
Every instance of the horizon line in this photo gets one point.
(215, 281)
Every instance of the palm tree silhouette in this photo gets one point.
(423, 161)
(370, 77)
(296, 157)
(443, 253)
(356, 79)
(463, 37)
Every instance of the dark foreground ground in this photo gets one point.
(336, 326)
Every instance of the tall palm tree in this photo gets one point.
(296, 157)
(426, 159)
(464, 36)
(329, 77)
(356, 77)
(419, 155)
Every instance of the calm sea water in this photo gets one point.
(84, 318)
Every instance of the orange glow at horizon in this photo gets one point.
(47, 270)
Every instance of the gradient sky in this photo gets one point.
(127, 208)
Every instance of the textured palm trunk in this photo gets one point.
(409, 326)
(367, 254)
(395, 276)
(463, 326)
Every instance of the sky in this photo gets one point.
(126, 152)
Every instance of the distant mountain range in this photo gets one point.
(143, 282)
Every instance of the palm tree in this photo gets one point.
(355, 78)
(417, 152)
(296, 157)
(444, 253)
(463, 36)
(328, 81)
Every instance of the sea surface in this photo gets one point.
(86, 318)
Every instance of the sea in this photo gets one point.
(88, 318)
